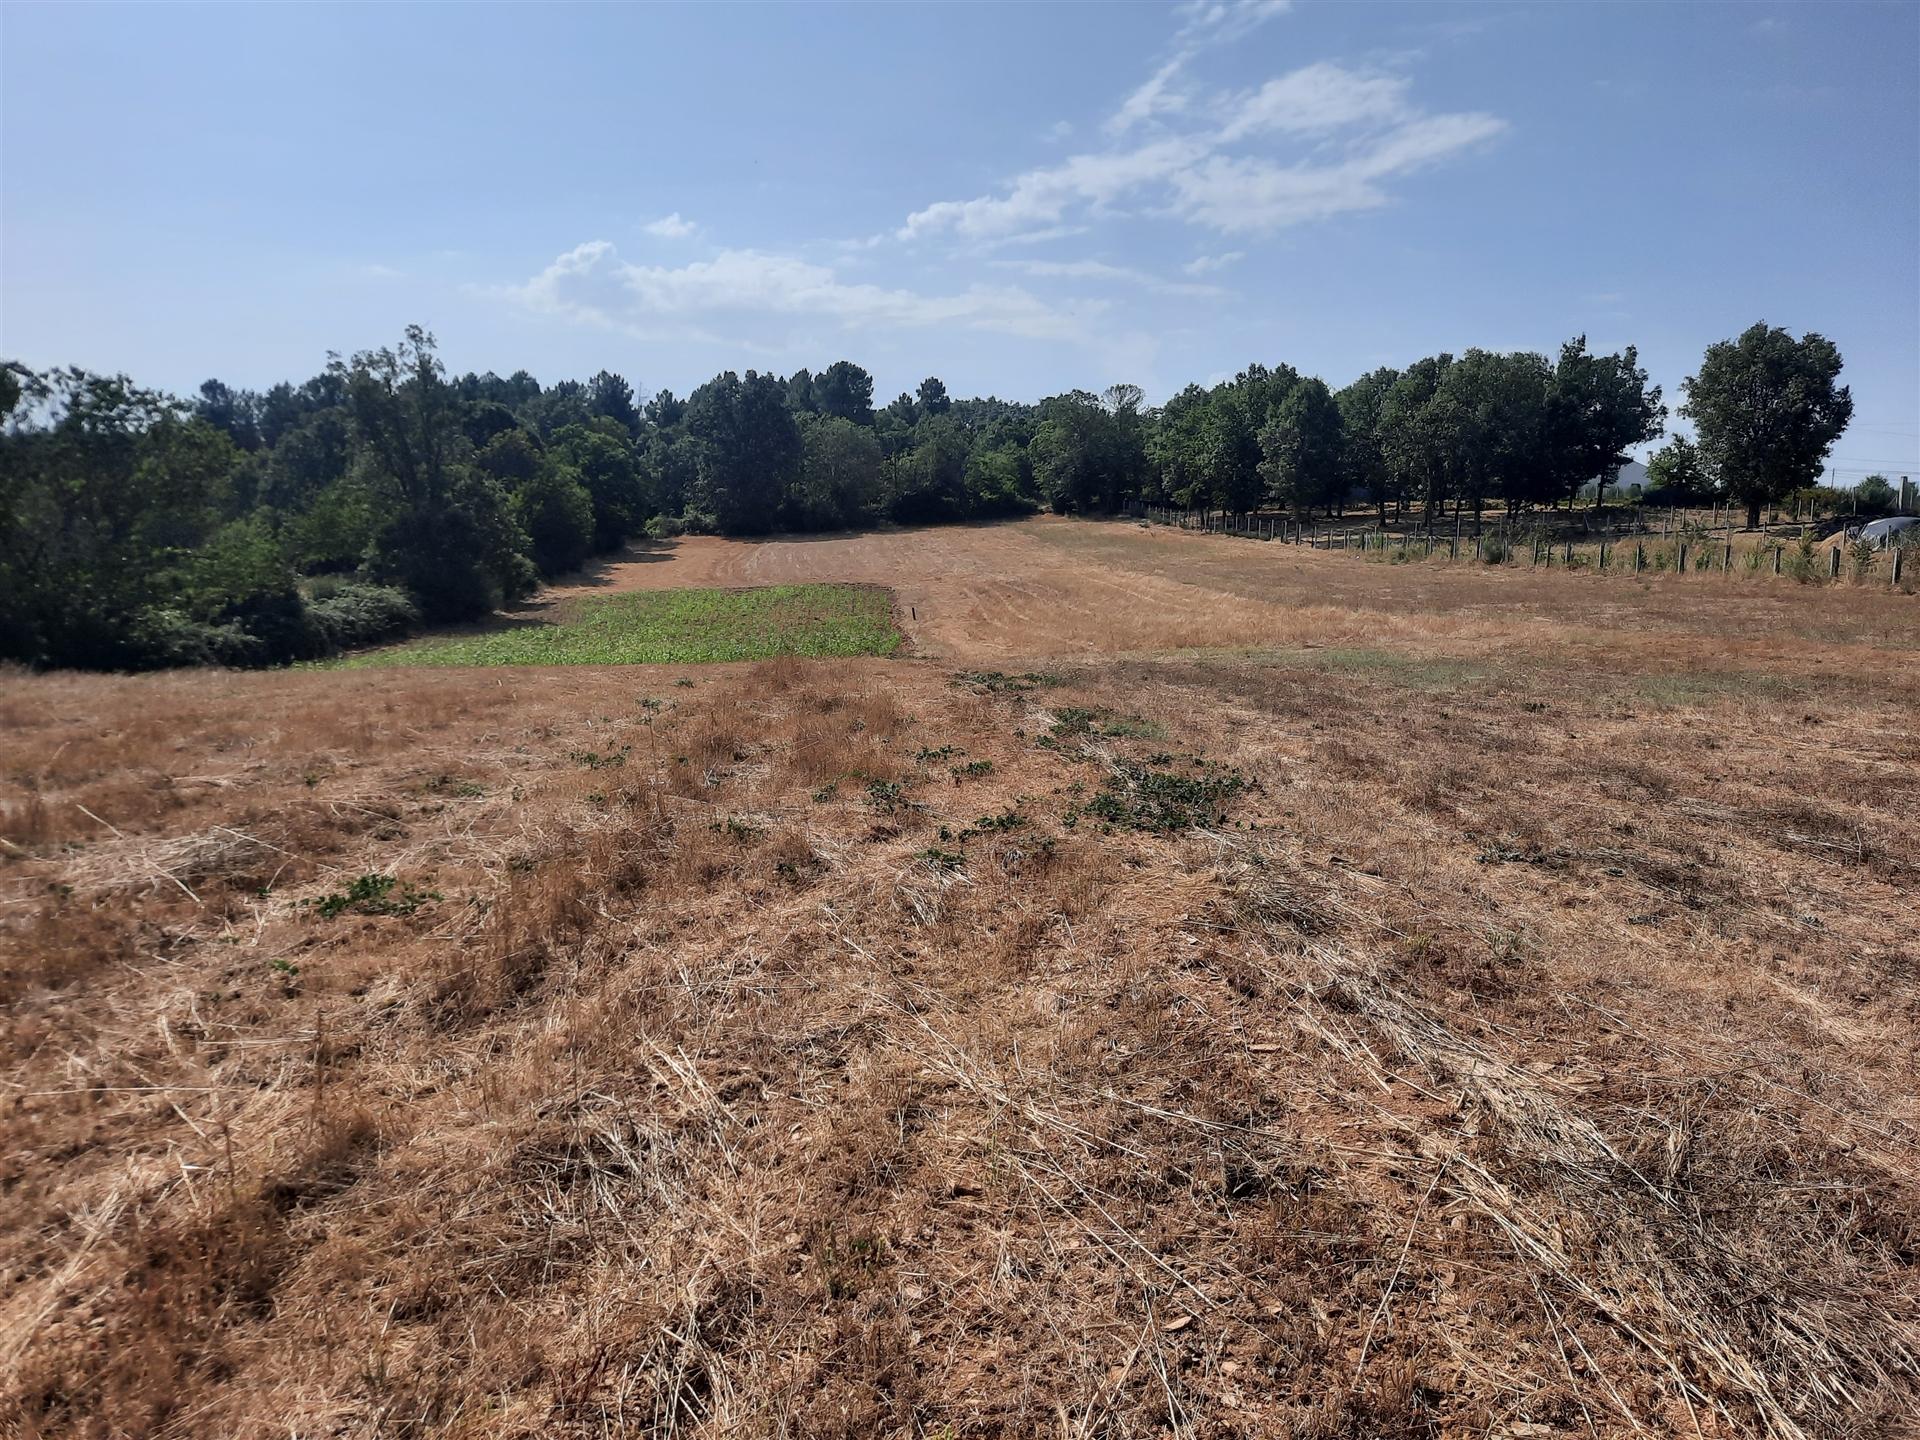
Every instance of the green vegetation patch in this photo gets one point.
(662, 627)
(1394, 668)
(373, 895)
(1140, 798)
(1705, 687)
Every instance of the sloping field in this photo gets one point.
(1065, 587)
(1209, 990)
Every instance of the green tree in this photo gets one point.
(1366, 463)
(1676, 471)
(1089, 452)
(609, 395)
(933, 397)
(928, 480)
(1598, 408)
(1875, 495)
(750, 449)
(845, 390)
(107, 491)
(1176, 448)
(1416, 438)
(801, 394)
(1301, 447)
(556, 513)
(840, 473)
(1491, 412)
(999, 481)
(606, 463)
(1767, 408)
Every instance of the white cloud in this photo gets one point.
(1156, 97)
(1101, 270)
(1314, 100)
(592, 284)
(1207, 264)
(1360, 130)
(671, 227)
(1040, 198)
(1220, 21)
(1254, 195)
(1205, 24)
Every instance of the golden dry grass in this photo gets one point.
(1526, 1050)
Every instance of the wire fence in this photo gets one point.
(1633, 543)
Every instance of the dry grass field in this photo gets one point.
(1201, 989)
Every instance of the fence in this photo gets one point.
(1632, 547)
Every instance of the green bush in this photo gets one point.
(347, 614)
(159, 638)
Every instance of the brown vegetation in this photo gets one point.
(1519, 1042)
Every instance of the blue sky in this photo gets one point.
(1020, 199)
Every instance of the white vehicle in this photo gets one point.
(1888, 531)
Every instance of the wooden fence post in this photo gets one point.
(1776, 558)
(1833, 563)
(1899, 554)
(1639, 556)
(1603, 557)
(1680, 565)
(1726, 561)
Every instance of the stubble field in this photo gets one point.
(1200, 988)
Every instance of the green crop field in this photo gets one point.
(658, 627)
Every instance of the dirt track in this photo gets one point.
(1053, 587)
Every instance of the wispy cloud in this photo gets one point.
(1204, 25)
(671, 227)
(1208, 264)
(1315, 100)
(1353, 131)
(592, 284)
(1101, 270)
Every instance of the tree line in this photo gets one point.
(139, 530)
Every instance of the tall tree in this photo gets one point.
(1366, 464)
(927, 480)
(1491, 412)
(1676, 471)
(750, 451)
(1175, 448)
(845, 390)
(1415, 438)
(801, 392)
(665, 410)
(1767, 408)
(840, 474)
(1301, 447)
(610, 395)
(1599, 408)
(405, 413)
(603, 458)
(933, 396)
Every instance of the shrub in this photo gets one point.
(346, 614)
(555, 510)
(160, 637)
(665, 527)
(459, 560)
